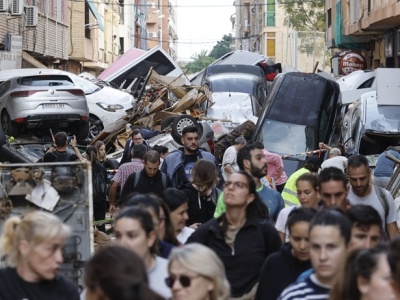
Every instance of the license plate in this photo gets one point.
(53, 106)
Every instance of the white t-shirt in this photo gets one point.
(157, 275)
(229, 158)
(339, 162)
(281, 221)
(373, 200)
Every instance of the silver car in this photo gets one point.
(43, 102)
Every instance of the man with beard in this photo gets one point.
(363, 192)
(251, 159)
(178, 164)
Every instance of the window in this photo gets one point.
(87, 21)
(270, 13)
(329, 17)
(270, 44)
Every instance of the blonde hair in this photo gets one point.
(35, 227)
(193, 256)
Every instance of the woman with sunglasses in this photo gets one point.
(190, 278)
(134, 230)
(33, 246)
(201, 192)
(116, 273)
(242, 237)
(365, 275)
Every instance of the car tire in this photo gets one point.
(179, 123)
(167, 122)
(3, 140)
(82, 131)
(9, 127)
(95, 127)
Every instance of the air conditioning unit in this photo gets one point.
(17, 7)
(152, 34)
(31, 13)
(3, 5)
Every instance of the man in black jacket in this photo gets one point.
(137, 138)
(149, 180)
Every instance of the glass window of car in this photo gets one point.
(367, 84)
(46, 80)
(4, 87)
(84, 84)
(232, 83)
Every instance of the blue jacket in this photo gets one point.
(174, 168)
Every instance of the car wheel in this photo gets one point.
(82, 131)
(9, 127)
(95, 127)
(179, 123)
(167, 122)
(3, 140)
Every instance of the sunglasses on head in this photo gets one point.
(184, 280)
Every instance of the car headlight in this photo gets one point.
(110, 107)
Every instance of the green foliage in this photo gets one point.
(303, 15)
(222, 47)
(200, 61)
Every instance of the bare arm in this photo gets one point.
(392, 230)
(113, 194)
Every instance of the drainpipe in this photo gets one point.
(56, 28)
(47, 27)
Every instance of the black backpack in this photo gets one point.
(61, 157)
(100, 188)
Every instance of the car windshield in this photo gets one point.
(384, 118)
(284, 138)
(46, 80)
(84, 84)
(232, 82)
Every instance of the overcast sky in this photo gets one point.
(201, 23)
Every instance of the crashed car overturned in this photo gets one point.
(301, 111)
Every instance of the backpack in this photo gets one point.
(100, 189)
(380, 192)
(137, 177)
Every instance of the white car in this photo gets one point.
(106, 104)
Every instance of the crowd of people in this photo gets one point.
(188, 228)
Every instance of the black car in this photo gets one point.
(301, 110)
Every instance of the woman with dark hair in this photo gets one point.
(177, 203)
(242, 237)
(365, 275)
(201, 192)
(134, 230)
(99, 186)
(166, 230)
(116, 273)
(282, 268)
(151, 203)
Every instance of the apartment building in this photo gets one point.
(368, 26)
(162, 26)
(261, 26)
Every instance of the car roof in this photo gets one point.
(354, 79)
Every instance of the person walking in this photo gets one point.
(148, 180)
(202, 193)
(192, 279)
(32, 246)
(241, 237)
(289, 193)
(229, 162)
(178, 165)
(385, 167)
(363, 192)
(136, 138)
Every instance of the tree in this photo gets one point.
(222, 47)
(200, 61)
(305, 15)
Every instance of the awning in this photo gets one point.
(96, 14)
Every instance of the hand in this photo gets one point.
(321, 145)
(74, 142)
(195, 225)
(112, 209)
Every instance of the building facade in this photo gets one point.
(368, 26)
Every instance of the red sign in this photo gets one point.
(351, 62)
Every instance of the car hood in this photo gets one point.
(228, 106)
(111, 96)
